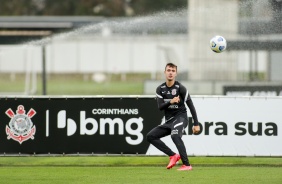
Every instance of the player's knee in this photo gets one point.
(149, 137)
(175, 137)
(177, 140)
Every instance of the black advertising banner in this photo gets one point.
(77, 125)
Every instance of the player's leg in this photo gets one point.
(154, 136)
(176, 135)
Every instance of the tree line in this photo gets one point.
(107, 8)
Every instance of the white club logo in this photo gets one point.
(20, 127)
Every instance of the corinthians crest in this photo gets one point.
(20, 127)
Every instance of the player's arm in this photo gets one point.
(196, 127)
(187, 99)
(162, 104)
(160, 100)
(192, 108)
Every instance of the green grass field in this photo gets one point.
(76, 85)
(138, 169)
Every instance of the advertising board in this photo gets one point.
(230, 126)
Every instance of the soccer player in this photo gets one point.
(173, 98)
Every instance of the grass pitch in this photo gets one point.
(75, 85)
(154, 175)
(133, 169)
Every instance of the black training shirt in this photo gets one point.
(165, 94)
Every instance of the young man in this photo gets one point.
(173, 98)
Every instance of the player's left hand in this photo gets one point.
(196, 129)
(175, 100)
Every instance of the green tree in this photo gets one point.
(108, 8)
(19, 7)
(151, 6)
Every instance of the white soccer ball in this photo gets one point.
(218, 44)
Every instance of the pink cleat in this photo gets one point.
(185, 168)
(173, 159)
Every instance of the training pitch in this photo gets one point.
(138, 169)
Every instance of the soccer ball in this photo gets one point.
(218, 44)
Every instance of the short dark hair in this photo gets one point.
(171, 65)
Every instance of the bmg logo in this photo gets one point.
(100, 126)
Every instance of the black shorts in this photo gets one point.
(173, 127)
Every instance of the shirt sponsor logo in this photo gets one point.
(173, 107)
